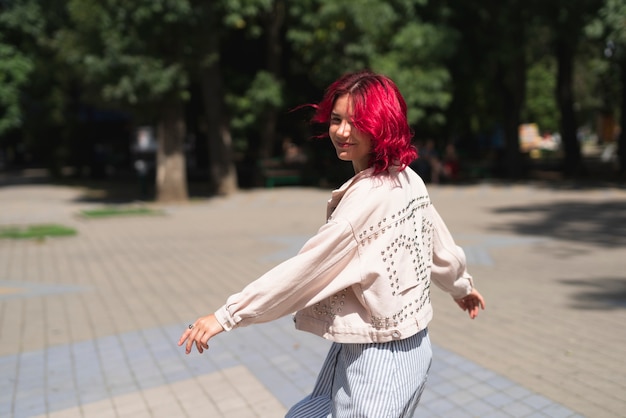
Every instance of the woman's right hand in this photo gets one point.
(205, 328)
(472, 303)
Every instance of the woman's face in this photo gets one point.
(350, 143)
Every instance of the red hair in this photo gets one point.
(379, 110)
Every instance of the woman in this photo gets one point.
(363, 281)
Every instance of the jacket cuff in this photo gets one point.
(464, 286)
(223, 317)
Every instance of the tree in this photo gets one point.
(609, 26)
(568, 20)
(540, 105)
(134, 55)
(463, 68)
(15, 69)
(241, 109)
(21, 20)
(271, 78)
(208, 69)
(489, 75)
(330, 37)
(146, 56)
(39, 92)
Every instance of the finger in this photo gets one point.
(205, 341)
(183, 337)
(189, 343)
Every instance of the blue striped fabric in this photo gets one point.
(369, 380)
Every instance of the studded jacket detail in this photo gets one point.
(366, 275)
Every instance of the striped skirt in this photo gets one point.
(378, 380)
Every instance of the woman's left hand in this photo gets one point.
(472, 303)
(200, 332)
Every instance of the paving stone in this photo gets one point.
(89, 324)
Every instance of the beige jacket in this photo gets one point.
(365, 276)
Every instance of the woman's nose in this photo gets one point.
(344, 128)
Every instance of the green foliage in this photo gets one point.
(40, 93)
(20, 21)
(263, 92)
(332, 37)
(24, 17)
(15, 69)
(612, 15)
(609, 27)
(144, 52)
(329, 40)
(114, 211)
(135, 52)
(450, 60)
(415, 62)
(541, 107)
(599, 72)
(36, 231)
(244, 15)
(597, 85)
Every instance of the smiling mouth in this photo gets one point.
(343, 144)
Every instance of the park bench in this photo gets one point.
(274, 172)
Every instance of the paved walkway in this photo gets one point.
(89, 324)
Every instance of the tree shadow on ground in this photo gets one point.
(123, 190)
(119, 190)
(598, 223)
(596, 293)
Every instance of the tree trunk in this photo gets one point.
(273, 57)
(512, 98)
(171, 178)
(223, 174)
(572, 163)
(512, 80)
(621, 145)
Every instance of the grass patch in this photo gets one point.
(119, 211)
(36, 231)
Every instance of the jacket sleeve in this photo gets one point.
(296, 283)
(449, 267)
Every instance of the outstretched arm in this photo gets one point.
(472, 303)
(284, 289)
